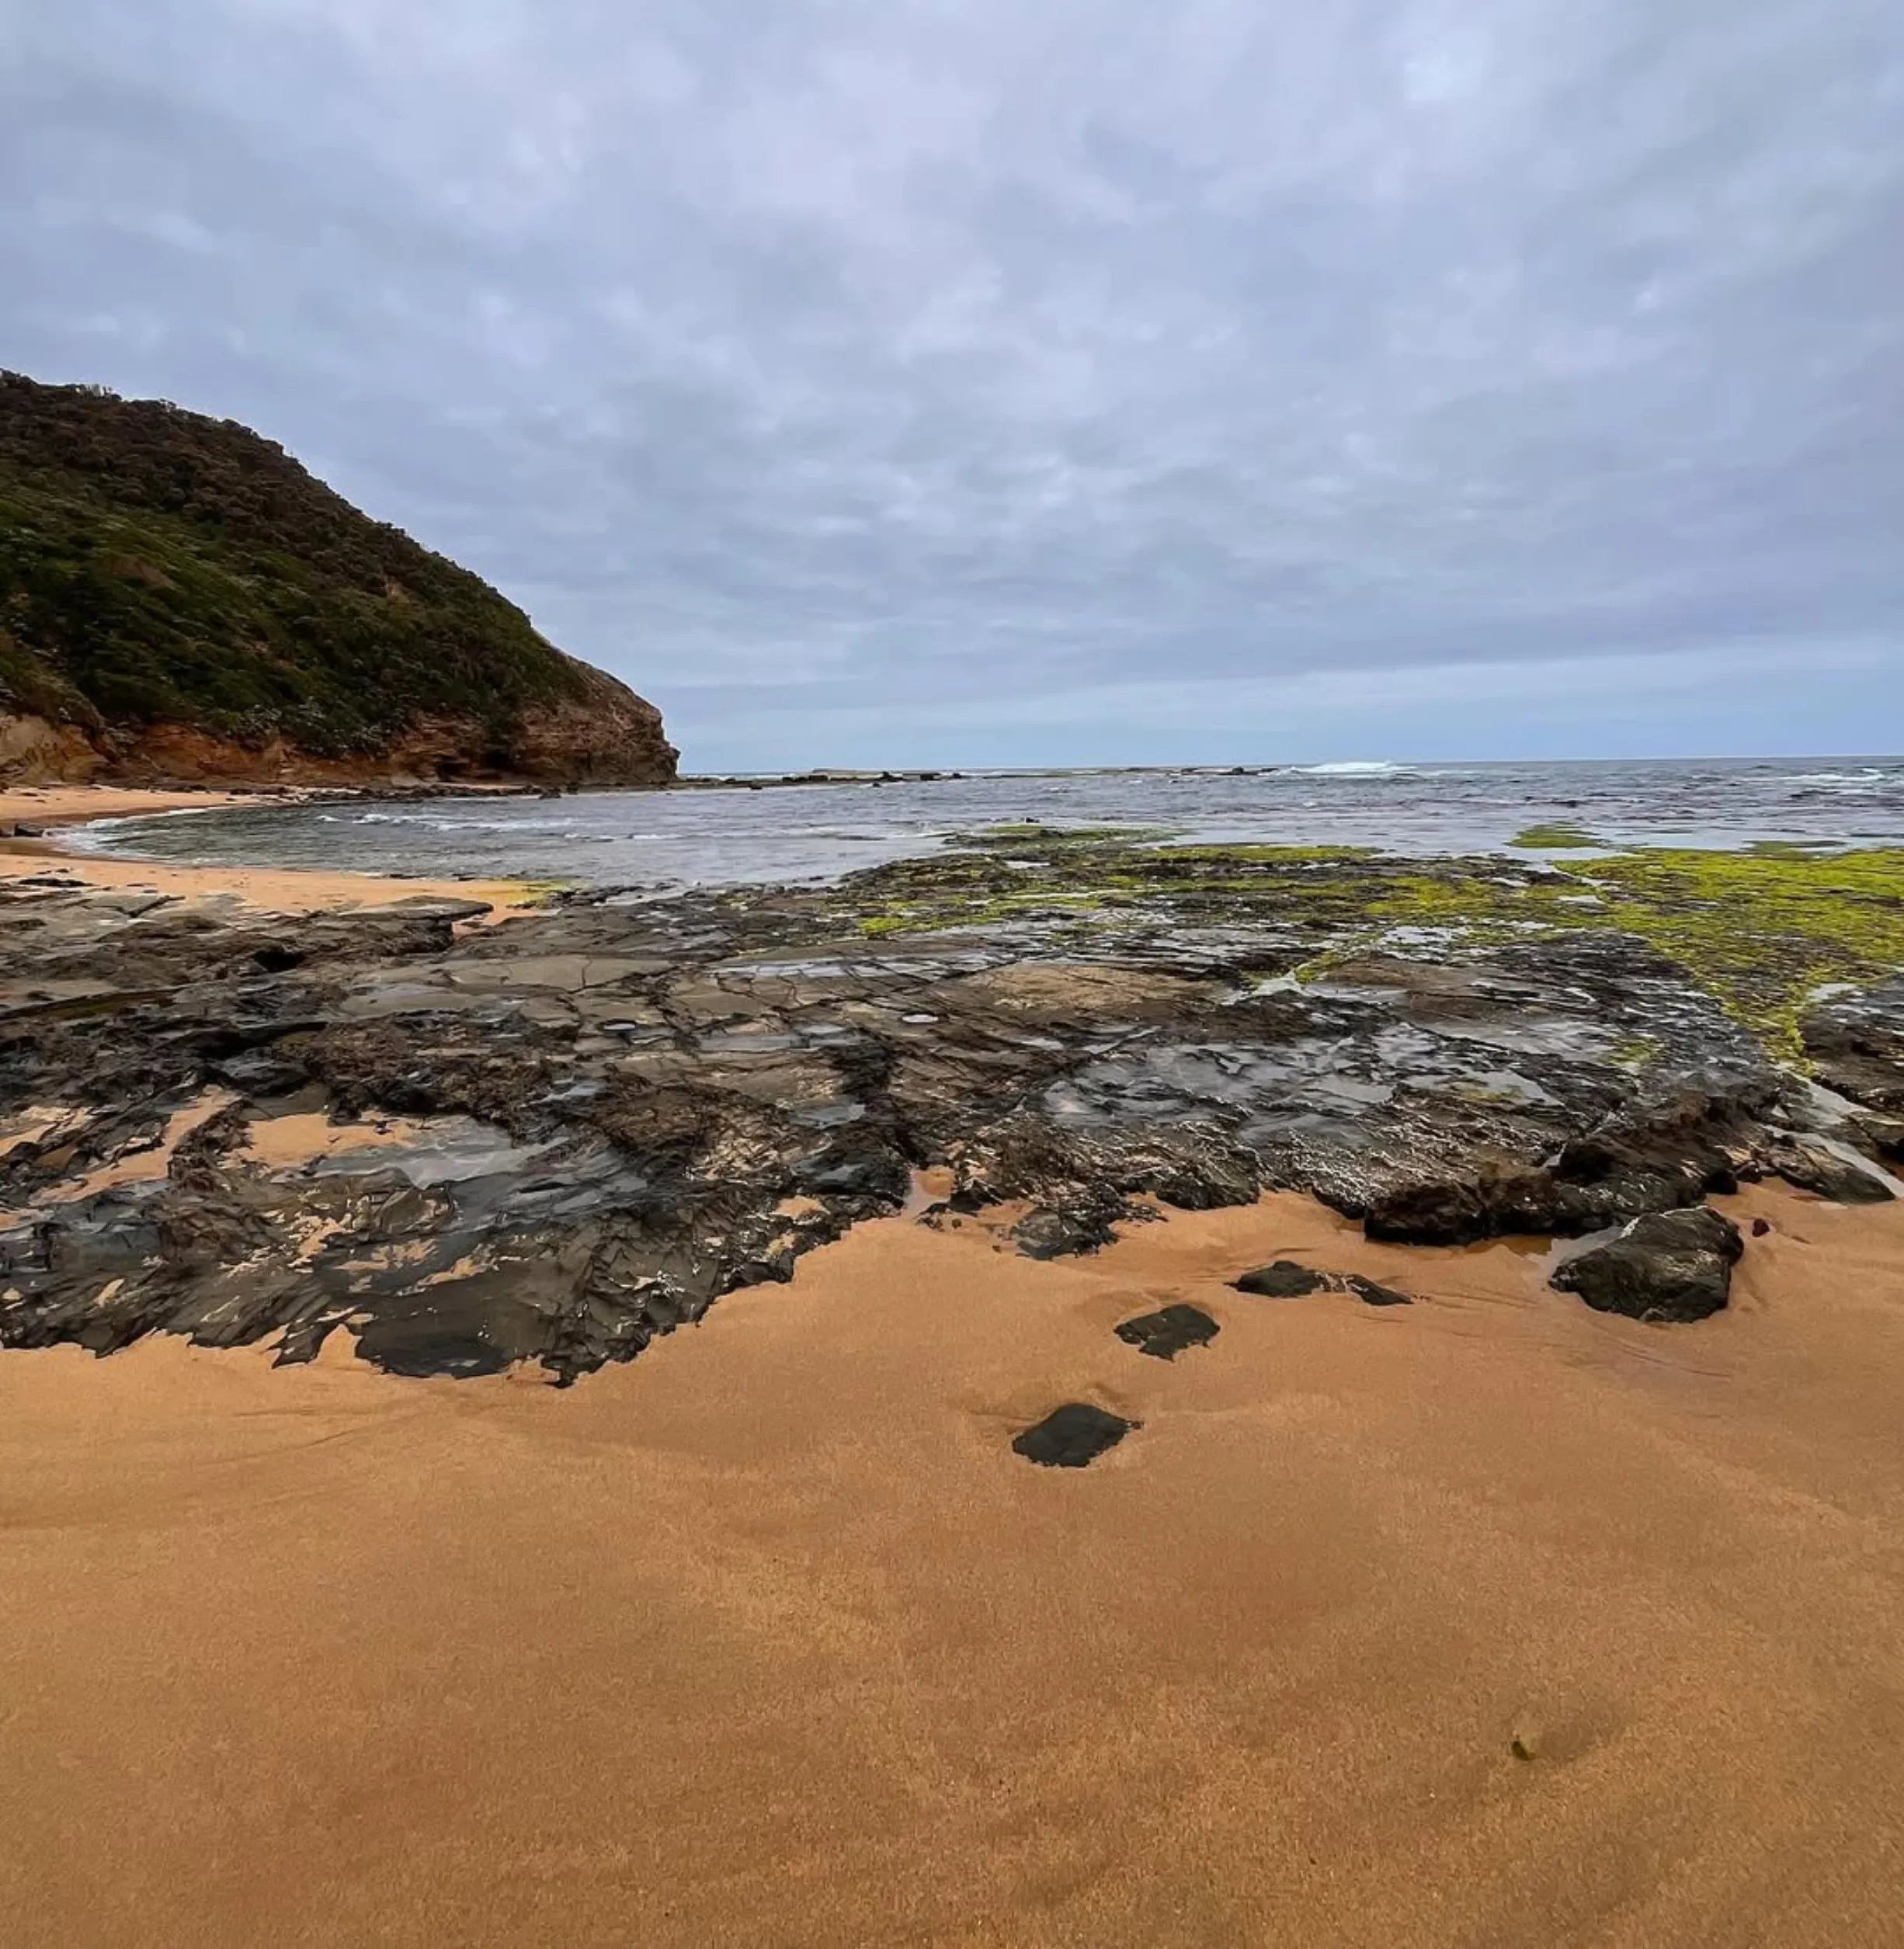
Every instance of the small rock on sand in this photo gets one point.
(1281, 1279)
(1165, 1334)
(1370, 1293)
(1072, 1437)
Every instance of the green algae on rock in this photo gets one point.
(1762, 931)
(1557, 837)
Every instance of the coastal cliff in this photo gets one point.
(181, 601)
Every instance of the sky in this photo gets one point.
(936, 382)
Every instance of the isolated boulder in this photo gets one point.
(1668, 1266)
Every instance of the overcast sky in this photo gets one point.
(956, 382)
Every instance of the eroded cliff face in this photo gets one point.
(35, 751)
(608, 737)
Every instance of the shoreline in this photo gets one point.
(276, 889)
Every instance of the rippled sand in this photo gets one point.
(770, 1639)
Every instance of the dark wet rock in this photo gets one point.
(133, 904)
(1282, 1279)
(1371, 1293)
(1878, 1135)
(1165, 1334)
(424, 1345)
(1072, 1437)
(441, 907)
(1456, 1210)
(1060, 1234)
(627, 1107)
(1658, 1154)
(1856, 1043)
(1814, 1167)
(1761, 1228)
(261, 1074)
(1669, 1265)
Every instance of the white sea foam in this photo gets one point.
(436, 822)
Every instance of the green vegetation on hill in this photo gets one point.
(158, 567)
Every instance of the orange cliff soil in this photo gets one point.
(612, 738)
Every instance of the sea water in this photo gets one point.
(741, 834)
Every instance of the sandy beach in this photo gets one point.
(278, 890)
(771, 1638)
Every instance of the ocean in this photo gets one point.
(737, 835)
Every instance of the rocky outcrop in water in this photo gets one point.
(552, 1139)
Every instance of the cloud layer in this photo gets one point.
(891, 380)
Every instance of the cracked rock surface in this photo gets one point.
(552, 1139)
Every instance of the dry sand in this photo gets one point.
(273, 890)
(770, 1639)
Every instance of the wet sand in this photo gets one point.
(273, 890)
(72, 804)
(770, 1639)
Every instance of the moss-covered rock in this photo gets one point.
(1762, 931)
(1554, 837)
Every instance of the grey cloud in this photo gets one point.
(809, 363)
